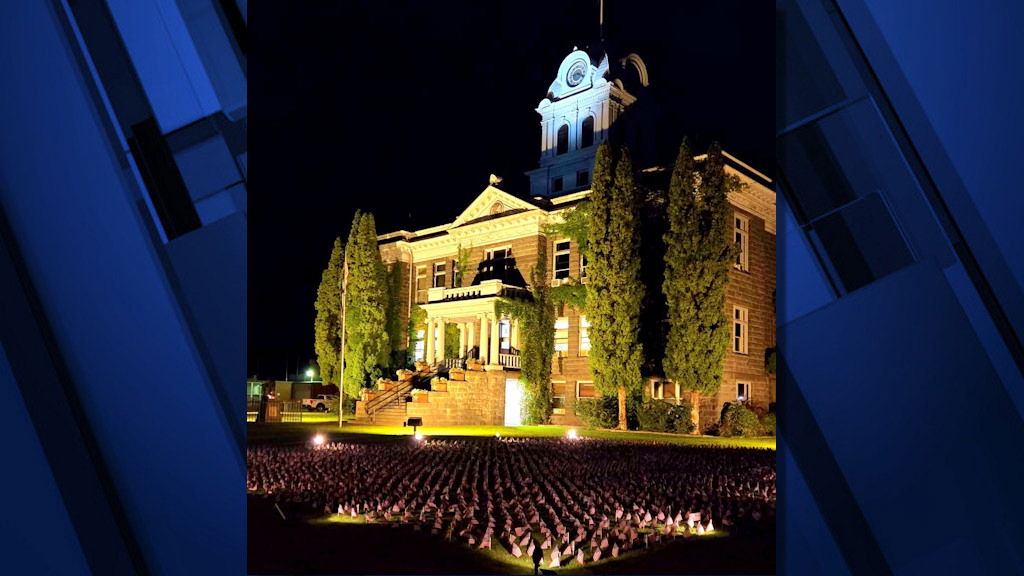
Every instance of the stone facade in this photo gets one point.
(478, 400)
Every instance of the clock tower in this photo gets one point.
(588, 96)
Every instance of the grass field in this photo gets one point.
(286, 433)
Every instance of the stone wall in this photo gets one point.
(477, 401)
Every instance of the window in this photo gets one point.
(657, 389)
(739, 332)
(421, 284)
(584, 336)
(583, 266)
(562, 336)
(587, 132)
(582, 179)
(563, 140)
(439, 270)
(561, 259)
(585, 389)
(504, 336)
(558, 389)
(556, 184)
(742, 392)
(742, 233)
(418, 348)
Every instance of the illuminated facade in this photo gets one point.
(503, 236)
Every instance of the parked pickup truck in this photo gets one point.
(321, 403)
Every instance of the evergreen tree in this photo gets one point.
(327, 335)
(395, 329)
(698, 258)
(536, 319)
(614, 289)
(367, 344)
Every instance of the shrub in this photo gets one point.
(661, 416)
(602, 412)
(768, 424)
(739, 421)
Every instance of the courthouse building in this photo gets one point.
(503, 234)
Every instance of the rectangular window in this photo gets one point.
(582, 179)
(558, 389)
(418, 352)
(561, 260)
(583, 266)
(556, 184)
(657, 389)
(585, 389)
(505, 336)
(742, 235)
(562, 336)
(739, 330)
(584, 336)
(439, 272)
(421, 284)
(742, 391)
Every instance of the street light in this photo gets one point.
(309, 374)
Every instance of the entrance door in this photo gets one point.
(513, 402)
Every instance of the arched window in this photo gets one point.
(563, 140)
(587, 133)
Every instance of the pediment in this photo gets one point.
(492, 202)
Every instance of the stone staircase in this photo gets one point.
(391, 415)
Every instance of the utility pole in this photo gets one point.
(344, 302)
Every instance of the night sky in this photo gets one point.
(404, 108)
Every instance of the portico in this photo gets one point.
(483, 335)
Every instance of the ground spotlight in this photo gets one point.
(318, 440)
(419, 436)
(571, 434)
(497, 435)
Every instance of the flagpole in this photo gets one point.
(341, 379)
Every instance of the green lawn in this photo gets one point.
(300, 432)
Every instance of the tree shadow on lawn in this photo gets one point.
(297, 546)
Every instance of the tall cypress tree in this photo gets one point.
(698, 258)
(614, 289)
(326, 328)
(367, 345)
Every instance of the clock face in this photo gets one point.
(576, 73)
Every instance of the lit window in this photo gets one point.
(562, 336)
(561, 260)
(558, 389)
(739, 330)
(505, 336)
(584, 336)
(421, 284)
(587, 132)
(418, 348)
(742, 234)
(556, 184)
(585, 389)
(742, 391)
(563, 140)
(439, 270)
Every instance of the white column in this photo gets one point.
(677, 392)
(428, 333)
(485, 345)
(471, 335)
(495, 339)
(462, 340)
(440, 340)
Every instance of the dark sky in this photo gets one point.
(404, 108)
